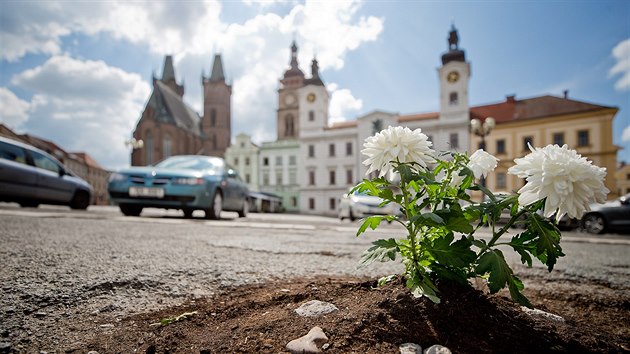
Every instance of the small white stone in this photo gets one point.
(410, 348)
(437, 349)
(541, 313)
(315, 308)
(309, 343)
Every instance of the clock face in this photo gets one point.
(289, 99)
(310, 97)
(452, 77)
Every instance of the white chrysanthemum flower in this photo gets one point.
(569, 181)
(482, 163)
(396, 144)
(455, 180)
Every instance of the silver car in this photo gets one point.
(358, 205)
(30, 176)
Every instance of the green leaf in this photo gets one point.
(547, 243)
(493, 263)
(522, 245)
(457, 254)
(372, 222)
(382, 251)
(516, 286)
(422, 286)
(427, 219)
(386, 280)
(459, 224)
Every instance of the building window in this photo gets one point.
(331, 203)
(311, 116)
(289, 129)
(214, 142)
(265, 179)
(311, 203)
(558, 139)
(167, 146)
(501, 180)
(332, 177)
(349, 177)
(331, 150)
(247, 178)
(213, 117)
(452, 98)
(242, 144)
(501, 146)
(454, 140)
(293, 201)
(265, 161)
(278, 178)
(528, 140)
(236, 161)
(247, 161)
(311, 178)
(311, 151)
(349, 149)
(278, 160)
(292, 177)
(149, 147)
(292, 160)
(583, 138)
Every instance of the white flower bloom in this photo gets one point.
(481, 163)
(455, 181)
(396, 144)
(569, 181)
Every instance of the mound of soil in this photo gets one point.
(370, 319)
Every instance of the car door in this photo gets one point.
(18, 179)
(619, 217)
(50, 182)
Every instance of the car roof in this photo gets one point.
(25, 146)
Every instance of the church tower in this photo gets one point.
(454, 77)
(288, 100)
(216, 124)
(168, 76)
(314, 102)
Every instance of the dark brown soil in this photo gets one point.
(261, 319)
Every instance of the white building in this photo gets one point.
(326, 158)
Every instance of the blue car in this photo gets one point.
(186, 182)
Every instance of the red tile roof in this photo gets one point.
(419, 116)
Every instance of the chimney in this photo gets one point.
(565, 94)
(510, 98)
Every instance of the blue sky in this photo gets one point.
(79, 73)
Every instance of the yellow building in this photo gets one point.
(623, 179)
(545, 120)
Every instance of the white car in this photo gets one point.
(359, 205)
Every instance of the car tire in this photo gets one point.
(594, 224)
(80, 201)
(188, 213)
(130, 210)
(29, 204)
(214, 210)
(351, 217)
(243, 212)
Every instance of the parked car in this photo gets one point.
(359, 205)
(30, 177)
(611, 216)
(186, 182)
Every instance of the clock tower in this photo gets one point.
(454, 77)
(288, 103)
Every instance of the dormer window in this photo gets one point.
(452, 98)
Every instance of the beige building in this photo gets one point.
(623, 179)
(545, 120)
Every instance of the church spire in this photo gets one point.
(169, 72)
(454, 53)
(217, 69)
(294, 70)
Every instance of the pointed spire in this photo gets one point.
(453, 53)
(294, 70)
(453, 38)
(217, 69)
(169, 71)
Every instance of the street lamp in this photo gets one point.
(482, 129)
(134, 144)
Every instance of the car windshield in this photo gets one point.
(192, 162)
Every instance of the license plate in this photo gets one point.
(146, 192)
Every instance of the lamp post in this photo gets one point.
(482, 129)
(134, 144)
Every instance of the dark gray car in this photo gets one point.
(613, 216)
(30, 176)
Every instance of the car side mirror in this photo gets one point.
(231, 173)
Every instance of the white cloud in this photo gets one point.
(625, 135)
(84, 106)
(621, 52)
(342, 104)
(13, 110)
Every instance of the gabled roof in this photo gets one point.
(530, 108)
(217, 69)
(170, 108)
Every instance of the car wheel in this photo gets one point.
(214, 210)
(351, 217)
(81, 200)
(188, 213)
(594, 224)
(29, 204)
(130, 210)
(243, 212)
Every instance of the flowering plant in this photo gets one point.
(441, 220)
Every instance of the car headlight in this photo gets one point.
(116, 177)
(188, 181)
